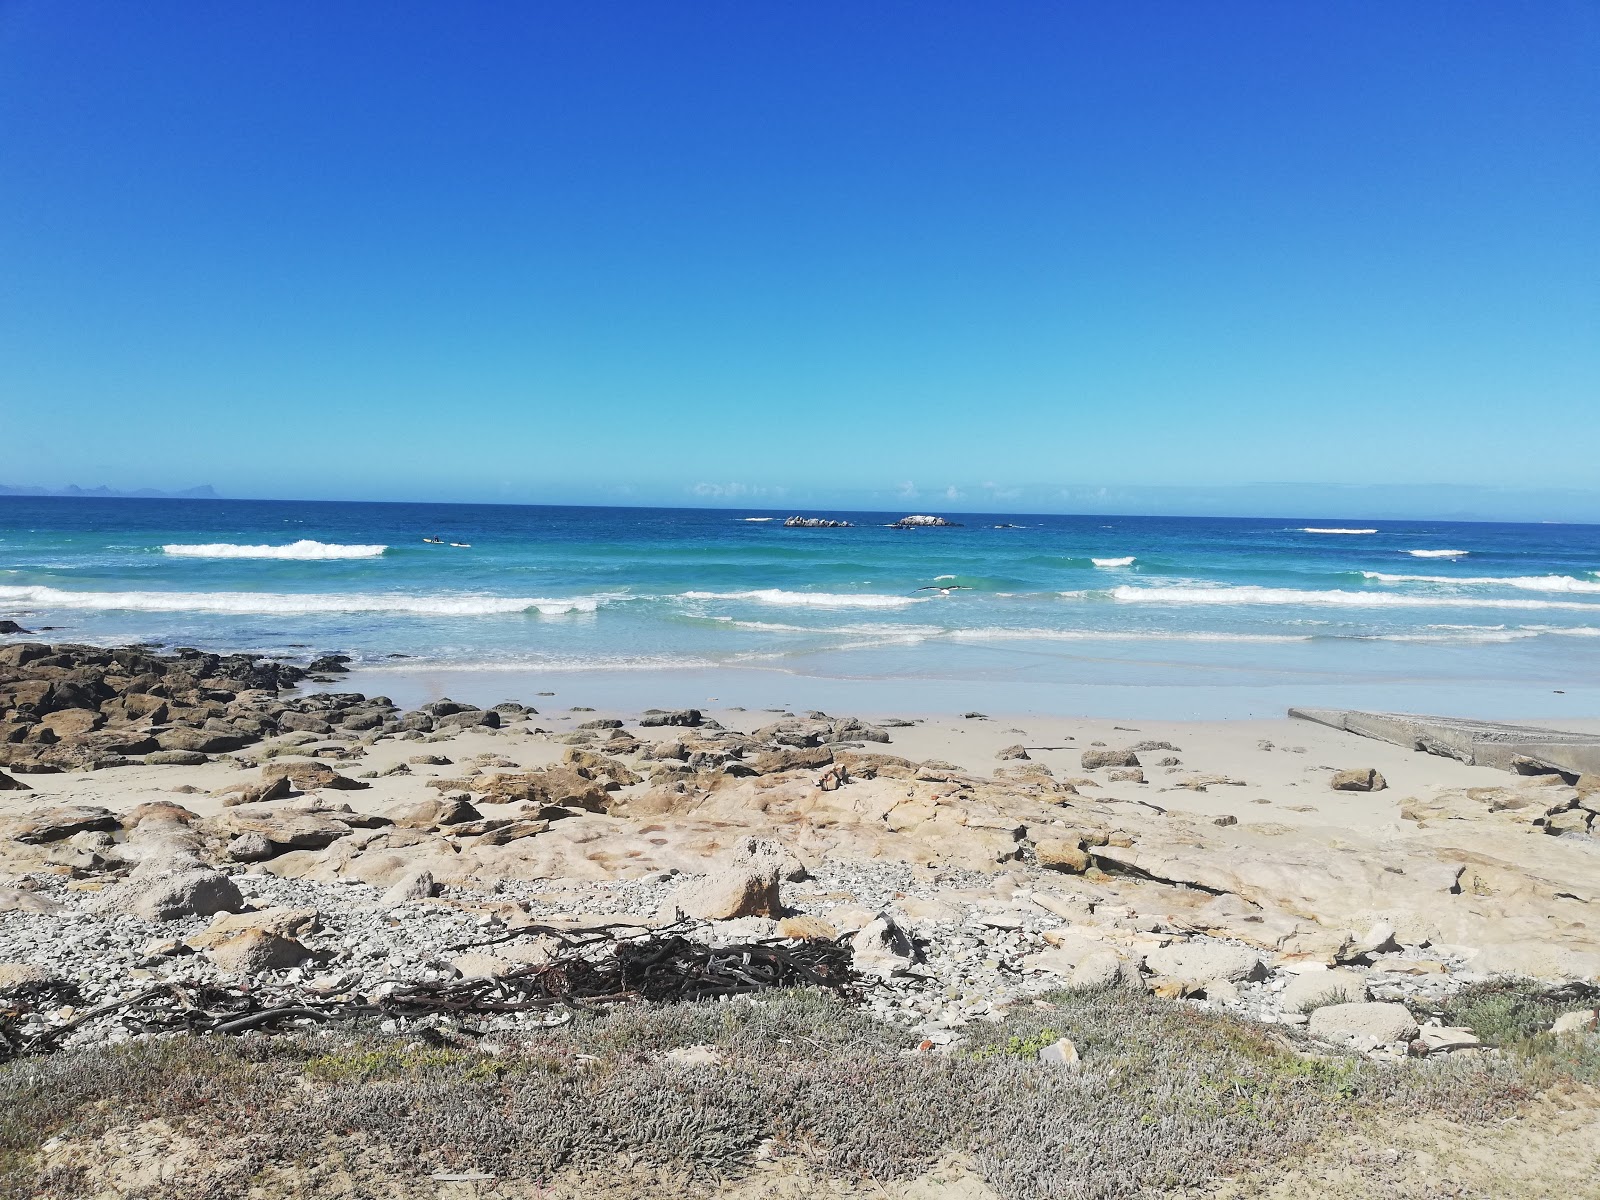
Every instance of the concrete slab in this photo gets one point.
(1525, 749)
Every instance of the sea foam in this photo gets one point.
(1438, 553)
(295, 602)
(1251, 594)
(810, 599)
(304, 549)
(1113, 562)
(1526, 583)
(1312, 529)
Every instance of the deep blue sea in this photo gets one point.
(1312, 609)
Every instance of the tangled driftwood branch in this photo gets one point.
(606, 965)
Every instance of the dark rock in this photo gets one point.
(682, 717)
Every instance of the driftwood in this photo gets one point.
(606, 965)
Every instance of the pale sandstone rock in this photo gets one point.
(252, 951)
(1382, 1023)
(1582, 1021)
(11, 974)
(1362, 779)
(882, 949)
(414, 885)
(1204, 961)
(1062, 854)
(1323, 987)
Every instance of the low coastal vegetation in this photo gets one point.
(1160, 1098)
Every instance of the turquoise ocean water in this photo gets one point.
(1047, 608)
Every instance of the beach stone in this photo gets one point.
(8, 784)
(252, 847)
(1095, 759)
(413, 885)
(1062, 854)
(432, 814)
(307, 776)
(477, 965)
(255, 950)
(428, 760)
(1125, 775)
(807, 929)
(737, 890)
(283, 921)
(287, 830)
(53, 824)
(1382, 1022)
(485, 718)
(70, 723)
(1061, 1054)
(1100, 969)
(258, 792)
(1012, 753)
(680, 717)
(882, 949)
(1582, 1021)
(1205, 961)
(197, 892)
(1440, 1039)
(1362, 779)
(175, 758)
(205, 741)
(12, 974)
(1327, 987)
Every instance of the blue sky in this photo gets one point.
(733, 252)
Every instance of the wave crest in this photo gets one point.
(293, 603)
(304, 549)
(1252, 594)
(1314, 529)
(1438, 553)
(810, 599)
(1526, 583)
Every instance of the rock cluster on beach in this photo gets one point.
(175, 817)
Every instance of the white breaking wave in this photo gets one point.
(1120, 635)
(1438, 553)
(758, 518)
(295, 602)
(1251, 594)
(304, 549)
(939, 577)
(1113, 562)
(810, 599)
(1352, 531)
(1526, 583)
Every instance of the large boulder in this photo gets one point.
(1375, 1022)
(206, 741)
(1362, 779)
(475, 718)
(253, 951)
(1095, 759)
(682, 717)
(42, 825)
(744, 884)
(173, 895)
(309, 775)
(1318, 989)
(1203, 962)
(8, 784)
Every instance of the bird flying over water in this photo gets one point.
(944, 589)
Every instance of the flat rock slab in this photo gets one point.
(1525, 749)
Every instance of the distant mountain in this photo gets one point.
(204, 492)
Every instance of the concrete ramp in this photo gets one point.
(1525, 749)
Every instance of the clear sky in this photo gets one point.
(714, 251)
